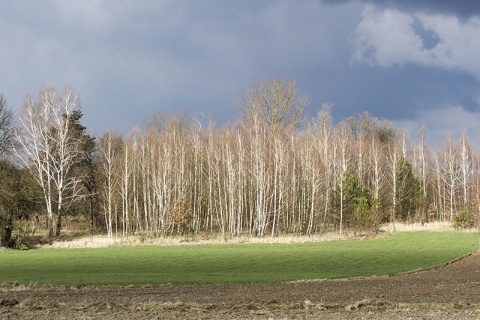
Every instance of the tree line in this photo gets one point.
(271, 172)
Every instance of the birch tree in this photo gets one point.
(343, 145)
(261, 177)
(125, 186)
(280, 179)
(439, 187)
(466, 167)
(421, 163)
(393, 161)
(109, 146)
(48, 147)
(377, 163)
(451, 173)
(324, 128)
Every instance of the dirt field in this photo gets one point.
(450, 292)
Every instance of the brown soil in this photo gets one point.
(450, 292)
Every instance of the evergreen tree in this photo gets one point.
(357, 203)
(408, 193)
(86, 166)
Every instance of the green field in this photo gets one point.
(240, 263)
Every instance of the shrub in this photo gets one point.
(464, 220)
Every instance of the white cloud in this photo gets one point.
(128, 58)
(459, 45)
(388, 37)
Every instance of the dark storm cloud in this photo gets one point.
(129, 59)
(462, 8)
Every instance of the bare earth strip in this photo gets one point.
(450, 292)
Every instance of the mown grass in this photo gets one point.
(240, 263)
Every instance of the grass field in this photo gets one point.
(239, 263)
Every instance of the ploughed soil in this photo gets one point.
(448, 292)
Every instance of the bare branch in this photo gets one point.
(277, 105)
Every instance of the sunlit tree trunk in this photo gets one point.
(440, 187)
(393, 159)
(279, 158)
(144, 175)
(242, 190)
(326, 164)
(422, 166)
(343, 144)
(47, 141)
(451, 173)
(378, 175)
(466, 167)
(125, 191)
(108, 149)
(198, 180)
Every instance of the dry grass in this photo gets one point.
(99, 241)
(430, 226)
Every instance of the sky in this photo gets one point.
(412, 62)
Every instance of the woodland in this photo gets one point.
(272, 172)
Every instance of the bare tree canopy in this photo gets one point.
(367, 126)
(159, 121)
(6, 126)
(275, 104)
(49, 148)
